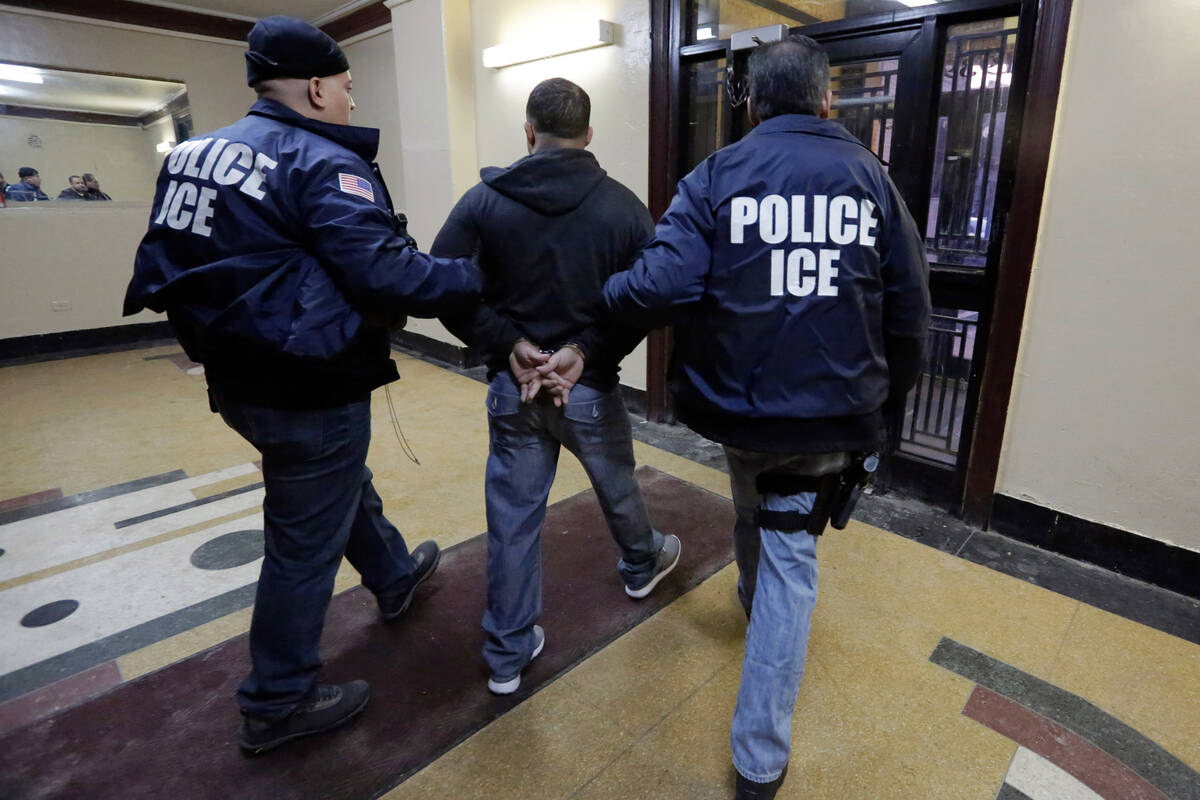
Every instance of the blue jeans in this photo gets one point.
(777, 584)
(524, 445)
(319, 506)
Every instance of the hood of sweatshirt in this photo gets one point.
(552, 183)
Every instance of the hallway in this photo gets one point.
(932, 673)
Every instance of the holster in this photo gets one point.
(783, 483)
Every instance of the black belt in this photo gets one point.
(782, 521)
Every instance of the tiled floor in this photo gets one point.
(648, 715)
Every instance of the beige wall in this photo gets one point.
(84, 256)
(431, 42)
(485, 106)
(1104, 422)
(215, 73)
(122, 158)
(77, 253)
(372, 65)
(617, 78)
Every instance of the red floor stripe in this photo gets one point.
(30, 499)
(170, 733)
(1097, 769)
(68, 692)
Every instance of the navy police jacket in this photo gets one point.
(804, 270)
(274, 250)
(24, 192)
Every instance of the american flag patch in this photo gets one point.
(352, 184)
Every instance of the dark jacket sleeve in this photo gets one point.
(615, 336)
(374, 266)
(904, 269)
(674, 267)
(479, 326)
(904, 360)
(906, 302)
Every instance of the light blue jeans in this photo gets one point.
(525, 440)
(778, 585)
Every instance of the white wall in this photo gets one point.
(122, 158)
(77, 253)
(617, 78)
(432, 43)
(372, 65)
(489, 103)
(1104, 421)
(84, 255)
(215, 73)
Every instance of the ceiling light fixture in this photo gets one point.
(21, 74)
(585, 36)
(917, 3)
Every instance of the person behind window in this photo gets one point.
(3, 186)
(28, 190)
(93, 188)
(76, 191)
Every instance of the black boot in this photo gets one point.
(751, 790)
(393, 604)
(329, 707)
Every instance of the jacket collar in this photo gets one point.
(362, 141)
(810, 125)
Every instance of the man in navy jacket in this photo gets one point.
(28, 189)
(276, 254)
(807, 291)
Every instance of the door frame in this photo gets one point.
(1017, 225)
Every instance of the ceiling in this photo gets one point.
(255, 9)
(83, 91)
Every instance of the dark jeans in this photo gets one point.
(524, 445)
(319, 506)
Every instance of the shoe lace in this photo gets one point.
(325, 694)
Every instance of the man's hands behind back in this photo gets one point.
(536, 371)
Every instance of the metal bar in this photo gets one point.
(976, 127)
(866, 24)
(699, 51)
(665, 26)
(784, 10)
(926, 400)
(851, 102)
(995, 131)
(979, 186)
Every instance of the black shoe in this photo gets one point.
(750, 790)
(329, 707)
(393, 604)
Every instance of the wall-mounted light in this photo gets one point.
(583, 36)
(164, 147)
(705, 33)
(21, 74)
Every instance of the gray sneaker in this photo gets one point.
(508, 684)
(668, 557)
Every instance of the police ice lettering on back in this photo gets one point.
(190, 204)
(804, 219)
